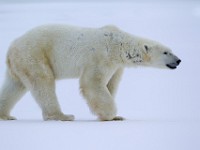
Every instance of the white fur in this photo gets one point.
(95, 56)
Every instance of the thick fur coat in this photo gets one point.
(97, 56)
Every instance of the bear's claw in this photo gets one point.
(61, 117)
(5, 117)
(118, 118)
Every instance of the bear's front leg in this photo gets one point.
(100, 102)
(114, 81)
(93, 86)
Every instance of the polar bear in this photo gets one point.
(97, 56)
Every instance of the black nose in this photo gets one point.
(178, 61)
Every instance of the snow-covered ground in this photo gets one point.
(162, 107)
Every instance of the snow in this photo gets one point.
(161, 106)
(91, 135)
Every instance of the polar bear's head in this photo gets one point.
(152, 54)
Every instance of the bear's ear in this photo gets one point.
(146, 48)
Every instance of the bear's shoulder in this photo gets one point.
(110, 28)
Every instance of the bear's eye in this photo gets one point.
(165, 53)
(146, 48)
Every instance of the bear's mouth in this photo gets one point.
(172, 65)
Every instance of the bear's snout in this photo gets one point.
(178, 61)
(174, 64)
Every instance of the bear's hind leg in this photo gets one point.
(41, 83)
(11, 91)
(43, 91)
